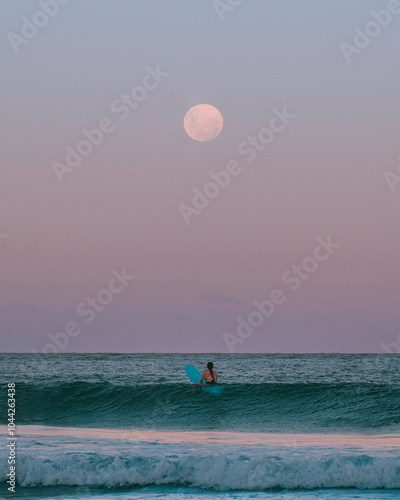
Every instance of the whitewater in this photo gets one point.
(105, 426)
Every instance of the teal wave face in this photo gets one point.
(296, 407)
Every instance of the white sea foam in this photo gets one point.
(220, 471)
(51, 456)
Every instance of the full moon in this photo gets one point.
(203, 122)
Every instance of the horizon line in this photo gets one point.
(227, 353)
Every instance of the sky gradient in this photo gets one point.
(322, 175)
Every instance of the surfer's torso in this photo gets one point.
(208, 377)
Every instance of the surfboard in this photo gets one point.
(194, 376)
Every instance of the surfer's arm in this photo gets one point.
(202, 378)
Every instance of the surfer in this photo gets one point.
(210, 375)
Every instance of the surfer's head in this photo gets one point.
(210, 365)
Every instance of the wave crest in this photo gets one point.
(253, 407)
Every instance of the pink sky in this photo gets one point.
(323, 175)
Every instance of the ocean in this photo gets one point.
(132, 426)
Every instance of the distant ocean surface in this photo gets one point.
(132, 426)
